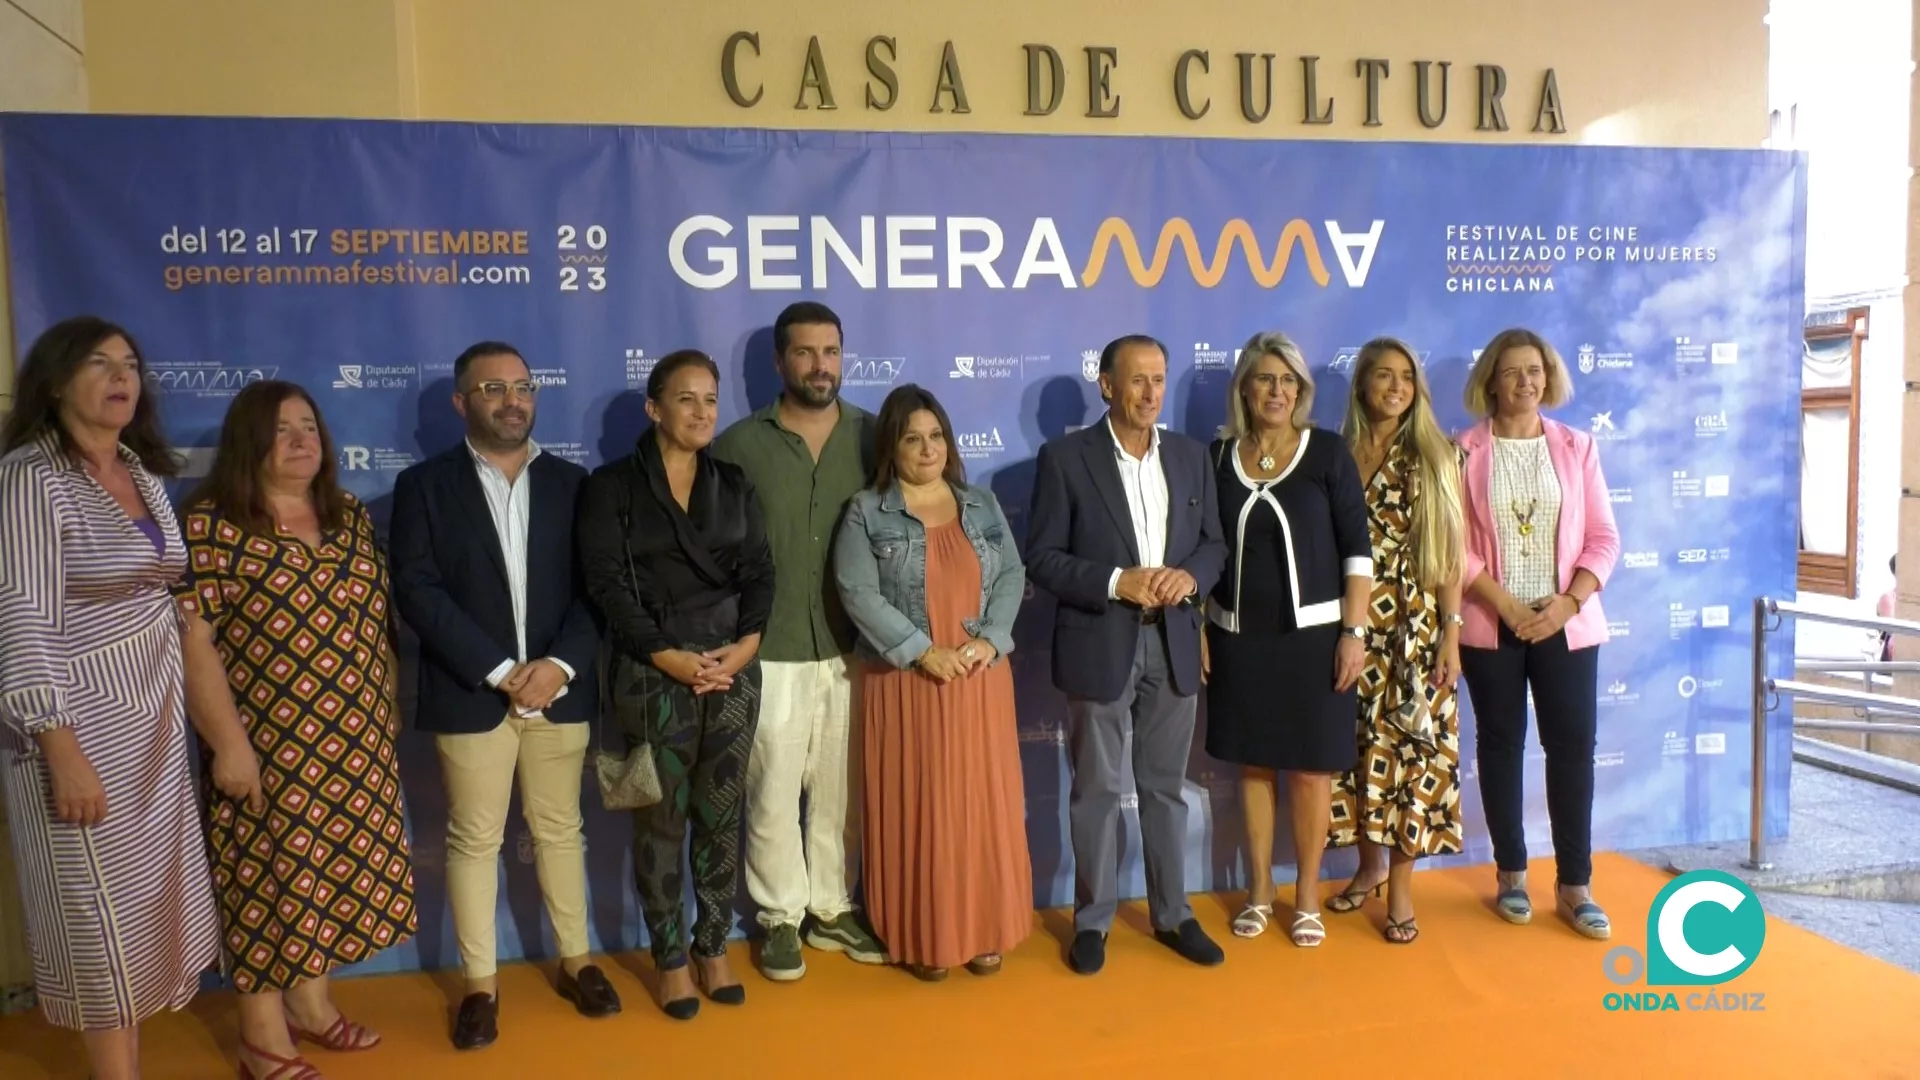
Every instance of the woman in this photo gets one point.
(1402, 801)
(674, 551)
(1540, 545)
(927, 569)
(287, 604)
(1287, 619)
(93, 743)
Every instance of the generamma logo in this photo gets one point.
(923, 252)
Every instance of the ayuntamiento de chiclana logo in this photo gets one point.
(1704, 929)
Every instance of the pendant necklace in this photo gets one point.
(1525, 516)
(1265, 460)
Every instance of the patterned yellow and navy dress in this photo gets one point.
(1402, 793)
(325, 876)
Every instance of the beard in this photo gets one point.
(501, 436)
(812, 395)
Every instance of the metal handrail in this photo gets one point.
(1860, 727)
(1766, 609)
(1832, 695)
(1876, 667)
(1863, 622)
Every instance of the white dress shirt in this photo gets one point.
(510, 504)
(1145, 482)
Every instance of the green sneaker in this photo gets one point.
(844, 934)
(780, 958)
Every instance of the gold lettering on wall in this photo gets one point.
(950, 83)
(1056, 82)
(1047, 77)
(1182, 92)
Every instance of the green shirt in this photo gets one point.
(802, 501)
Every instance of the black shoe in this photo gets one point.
(1089, 952)
(478, 1022)
(1191, 942)
(735, 994)
(591, 993)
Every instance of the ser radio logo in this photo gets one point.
(1705, 929)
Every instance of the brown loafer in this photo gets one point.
(592, 995)
(478, 1022)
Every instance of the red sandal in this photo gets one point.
(294, 1068)
(343, 1036)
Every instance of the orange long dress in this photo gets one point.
(947, 873)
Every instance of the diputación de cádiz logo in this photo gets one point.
(1704, 929)
(927, 252)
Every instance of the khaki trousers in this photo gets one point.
(479, 772)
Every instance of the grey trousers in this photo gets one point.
(1161, 722)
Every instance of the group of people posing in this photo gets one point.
(810, 610)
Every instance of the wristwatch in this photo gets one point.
(1453, 618)
(1357, 633)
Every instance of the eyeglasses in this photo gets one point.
(497, 391)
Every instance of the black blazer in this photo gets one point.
(1320, 499)
(450, 584)
(1080, 531)
(705, 573)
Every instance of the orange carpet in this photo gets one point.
(1473, 997)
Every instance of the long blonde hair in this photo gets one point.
(1439, 533)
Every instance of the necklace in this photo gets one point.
(1266, 461)
(1531, 504)
(1525, 517)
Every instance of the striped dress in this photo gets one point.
(120, 916)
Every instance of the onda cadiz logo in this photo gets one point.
(1705, 929)
(785, 252)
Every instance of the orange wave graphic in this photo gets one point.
(1500, 269)
(1208, 273)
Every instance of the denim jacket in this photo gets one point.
(880, 567)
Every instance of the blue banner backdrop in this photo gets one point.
(359, 258)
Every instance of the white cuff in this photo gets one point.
(563, 666)
(499, 675)
(1113, 585)
(1358, 567)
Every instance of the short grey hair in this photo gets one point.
(1259, 346)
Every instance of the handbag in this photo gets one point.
(628, 781)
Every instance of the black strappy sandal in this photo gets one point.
(1351, 899)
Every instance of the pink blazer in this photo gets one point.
(1585, 540)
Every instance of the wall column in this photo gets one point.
(1907, 560)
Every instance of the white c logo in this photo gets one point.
(1672, 928)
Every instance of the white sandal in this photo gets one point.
(1252, 920)
(1307, 931)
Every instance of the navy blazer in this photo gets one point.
(450, 585)
(1080, 531)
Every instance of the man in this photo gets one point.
(483, 570)
(807, 454)
(1125, 533)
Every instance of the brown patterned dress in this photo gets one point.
(324, 877)
(1403, 793)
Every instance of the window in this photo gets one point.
(1830, 450)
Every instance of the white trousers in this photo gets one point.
(803, 745)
